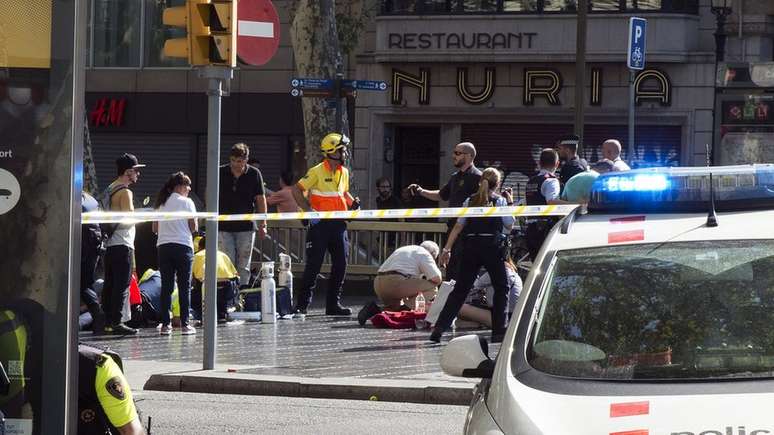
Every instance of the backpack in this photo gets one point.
(108, 228)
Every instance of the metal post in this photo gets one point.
(580, 72)
(216, 76)
(630, 155)
(337, 96)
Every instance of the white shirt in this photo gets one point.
(550, 189)
(412, 260)
(620, 165)
(176, 231)
(483, 284)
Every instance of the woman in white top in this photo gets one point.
(478, 305)
(175, 248)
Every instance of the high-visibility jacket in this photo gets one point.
(328, 189)
(13, 352)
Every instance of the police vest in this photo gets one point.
(92, 419)
(484, 225)
(13, 352)
(532, 191)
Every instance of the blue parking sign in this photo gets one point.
(635, 57)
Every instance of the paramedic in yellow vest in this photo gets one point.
(227, 281)
(325, 187)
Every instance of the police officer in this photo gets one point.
(105, 404)
(484, 243)
(460, 186)
(91, 248)
(571, 163)
(327, 189)
(542, 189)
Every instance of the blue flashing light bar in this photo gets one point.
(685, 189)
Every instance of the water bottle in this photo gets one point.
(419, 303)
(285, 276)
(268, 293)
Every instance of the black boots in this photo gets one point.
(337, 310)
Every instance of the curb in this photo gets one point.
(386, 390)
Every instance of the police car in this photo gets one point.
(653, 314)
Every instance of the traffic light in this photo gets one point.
(211, 32)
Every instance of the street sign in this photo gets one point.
(635, 54)
(258, 31)
(311, 83)
(366, 85)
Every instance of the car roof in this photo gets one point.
(600, 230)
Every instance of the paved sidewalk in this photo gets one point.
(320, 356)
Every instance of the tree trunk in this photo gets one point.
(90, 183)
(317, 55)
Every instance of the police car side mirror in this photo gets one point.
(467, 357)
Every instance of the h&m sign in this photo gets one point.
(539, 83)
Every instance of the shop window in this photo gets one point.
(644, 5)
(605, 5)
(116, 40)
(156, 33)
(519, 5)
(560, 5)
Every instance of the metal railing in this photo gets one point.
(421, 7)
(370, 243)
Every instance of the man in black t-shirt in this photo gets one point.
(241, 191)
(386, 200)
(460, 187)
(571, 163)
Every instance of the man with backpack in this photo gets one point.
(119, 250)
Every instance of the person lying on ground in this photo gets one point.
(478, 305)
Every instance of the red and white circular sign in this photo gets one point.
(258, 31)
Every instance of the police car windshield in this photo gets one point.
(693, 310)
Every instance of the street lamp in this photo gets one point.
(721, 9)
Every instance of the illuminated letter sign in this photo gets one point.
(660, 92)
(108, 111)
(542, 83)
(400, 78)
(481, 97)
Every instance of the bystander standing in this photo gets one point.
(283, 198)
(611, 150)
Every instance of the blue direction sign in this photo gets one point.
(311, 83)
(635, 57)
(366, 85)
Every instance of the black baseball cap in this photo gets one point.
(127, 161)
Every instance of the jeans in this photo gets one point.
(118, 274)
(239, 248)
(175, 260)
(330, 236)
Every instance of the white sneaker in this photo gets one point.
(187, 330)
(165, 330)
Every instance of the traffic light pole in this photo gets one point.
(216, 75)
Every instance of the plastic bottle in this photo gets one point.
(419, 303)
(285, 277)
(268, 293)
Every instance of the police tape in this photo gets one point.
(410, 213)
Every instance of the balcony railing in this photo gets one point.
(370, 243)
(428, 7)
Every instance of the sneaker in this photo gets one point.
(337, 310)
(165, 330)
(121, 329)
(299, 313)
(368, 311)
(187, 330)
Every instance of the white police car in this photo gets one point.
(652, 314)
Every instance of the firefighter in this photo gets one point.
(325, 187)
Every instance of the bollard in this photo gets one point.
(285, 283)
(268, 293)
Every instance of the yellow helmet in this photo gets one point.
(333, 142)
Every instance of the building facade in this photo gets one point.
(498, 73)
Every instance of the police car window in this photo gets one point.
(693, 310)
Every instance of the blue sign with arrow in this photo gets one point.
(311, 83)
(366, 85)
(635, 57)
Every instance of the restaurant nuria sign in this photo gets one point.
(461, 41)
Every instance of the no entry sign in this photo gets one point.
(258, 31)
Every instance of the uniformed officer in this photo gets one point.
(105, 404)
(484, 243)
(460, 186)
(14, 345)
(542, 189)
(327, 189)
(571, 163)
